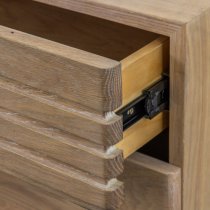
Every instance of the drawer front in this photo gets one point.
(54, 112)
(73, 74)
(18, 194)
(151, 184)
(34, 168)
(56, 144)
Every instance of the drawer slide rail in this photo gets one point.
(153, 101)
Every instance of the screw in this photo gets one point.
(130, 111)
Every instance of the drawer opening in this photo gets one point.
(143, 55)
(158, 147)
(95, 35)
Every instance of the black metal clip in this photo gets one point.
(153, 101)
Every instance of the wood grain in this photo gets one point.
(151, 184)
(162, 17)
(143, 68)
(141, 133)
(189, 54)
(52, 142)
(32, 167)
(189, 70)
(192, 150)
(55, 112)
(20, 195)
(61, 70)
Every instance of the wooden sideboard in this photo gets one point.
(75, 79)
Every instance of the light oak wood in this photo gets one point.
(189, 71)
(33, 167)
(57, 113)
(141, 133)
(151, 184)
(192, 151)
(189, 54)
(143, 68)
(20, 195)
(162, 17)
(54, 143)
(61, 70)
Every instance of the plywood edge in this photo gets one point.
(141, 133)
(19, 161)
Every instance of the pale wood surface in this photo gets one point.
(61, 70)
(161, 16)
(141, 133)
(33, 167)
(187, 24)
(55, 112)
(143, 68)
(16, 194)
(191, 151)
(52, 142)
(151, 184)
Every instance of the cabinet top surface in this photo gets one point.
(177, 12)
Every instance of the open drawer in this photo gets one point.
(73, 71)
(81, 57)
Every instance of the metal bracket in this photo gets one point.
(153, 101)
